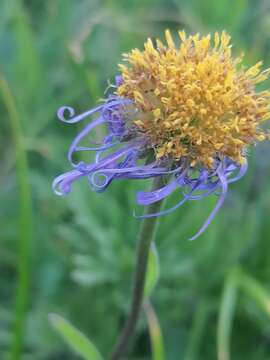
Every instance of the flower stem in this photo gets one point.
(145, 237)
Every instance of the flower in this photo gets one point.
(187, 112)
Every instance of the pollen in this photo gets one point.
(194, 99)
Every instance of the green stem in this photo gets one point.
(25, 227)
(145, 237)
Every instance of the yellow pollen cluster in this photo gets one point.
(195, 100)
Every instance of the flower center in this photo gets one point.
(195, 100)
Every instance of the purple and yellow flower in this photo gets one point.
(187, 113)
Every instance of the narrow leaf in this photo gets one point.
(152, 274)
(226, 314)
(197, 331)
(156, 338)
(255, 290)
(25, 220)
(74, 338)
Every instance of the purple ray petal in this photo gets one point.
(94, 179)
(108, 105)
(224, 188)
(113, 103)
(134, 170)
(241, 173)
(168, 211)
(99, 148)
(107, 161)
(211, 189)
(150, 197)
(62, 183)
(87, 129)
(118, 80)
(71, 112)
(99, 181)
(165, 212)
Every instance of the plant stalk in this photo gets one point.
(145, 237)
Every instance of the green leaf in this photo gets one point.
(25, 224)
(156, 338)
(152, 274)
(226, 315)
(197, 331)
(255, 290)
(74, 338)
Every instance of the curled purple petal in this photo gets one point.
(150, 197)
(167, 211)
(99, 181)
(186, 197)
(241, 173)
(224, 188)
(87, 129)
(71, 119)
(62, 183)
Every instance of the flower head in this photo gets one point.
(190, 110)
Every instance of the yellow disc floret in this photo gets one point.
(195, 100)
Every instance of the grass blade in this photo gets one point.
(74, 338)
(226, 314)
(197, 331)
(255, 290)
(25, 228)
(152, 274)
(156, 338)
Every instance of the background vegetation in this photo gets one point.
(74, 256)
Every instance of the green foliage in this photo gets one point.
(74, 338)
(226, 314)
(157, 345)
(25, 224)
(81, 258)
(152, 274)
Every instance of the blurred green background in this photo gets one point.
(74, 256)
